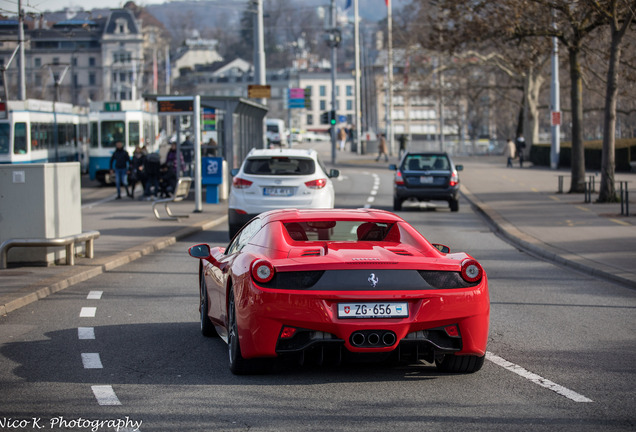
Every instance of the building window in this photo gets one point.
(349, 104)
(37, 62)
(323, 105)
(349, 90)
(56, 60)
(91, 61)
(91, 79)
(310, 119)
(323, 91)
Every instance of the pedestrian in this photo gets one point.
(382, 150)
(509, 152)
(187, 150)
(152, 170)
(402, 139)
(520, 144)
(342, 138)
(119, 165)
(174, 163)
(137, 172)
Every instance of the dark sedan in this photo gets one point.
(426, 177)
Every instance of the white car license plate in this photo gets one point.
(426, 179)
(278, 191)
(373, 310)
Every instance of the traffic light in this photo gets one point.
(328, 117)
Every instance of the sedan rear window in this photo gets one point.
(280, 166)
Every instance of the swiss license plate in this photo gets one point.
(373, 310)
(278, 191)
(426, 180)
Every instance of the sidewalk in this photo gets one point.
(522, 205)
(128, 230)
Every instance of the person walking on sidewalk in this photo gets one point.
(342, 138)
(520, 144)
(119, 164)
(137, 173)
(509, 153)
(382, 150)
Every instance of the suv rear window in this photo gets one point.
(426, 163)
(280, 166)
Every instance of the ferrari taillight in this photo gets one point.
(471, 270)
(262, 271)
(240, 183)
(398, 178)
(316, 184)
(454, 179)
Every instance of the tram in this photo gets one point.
(134, 123)
(37, 131)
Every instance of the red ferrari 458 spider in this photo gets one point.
(338, 282)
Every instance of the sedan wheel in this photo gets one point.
(207, 328)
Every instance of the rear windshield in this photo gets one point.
(343, 231)
(280, 165)
(425, 162)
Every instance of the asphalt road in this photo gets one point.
(561, 351)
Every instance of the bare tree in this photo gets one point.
(620, 14)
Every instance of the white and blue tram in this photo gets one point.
(36, 131)
(134, 123)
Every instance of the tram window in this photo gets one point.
(112, 131)
(94, 136)
(133, 134)
(4, 137)
(19, 138)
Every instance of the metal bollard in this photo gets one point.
(560, 184)
(622, 199)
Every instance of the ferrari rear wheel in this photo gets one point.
(207, 328)
(239, 365)
(459, 364)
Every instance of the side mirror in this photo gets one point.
(200, 251)
(234, 171)
(442, 248)
(459, 167)
(334, 173)
(393, 167)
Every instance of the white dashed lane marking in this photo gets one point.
(105, 395)
(94, 295)
(88, 312)
(85, 333)
(91, 361)
(537, 379)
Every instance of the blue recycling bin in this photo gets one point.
(211, 178)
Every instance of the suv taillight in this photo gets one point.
(316, 184)
(240, 183)
(398, 178)
(454, 179)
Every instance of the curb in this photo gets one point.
(46, 287)
(536, 247)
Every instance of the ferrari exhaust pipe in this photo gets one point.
(373, 339)
(358, 339)
(388, 338)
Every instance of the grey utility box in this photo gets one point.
(39, 201)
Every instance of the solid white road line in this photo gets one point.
(570, 394)
(91, 361)
(94, 295)
(88, 312)
(86, 333)
(105, 395)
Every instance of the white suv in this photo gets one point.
(277, 179)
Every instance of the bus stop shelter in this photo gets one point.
(238, 122)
